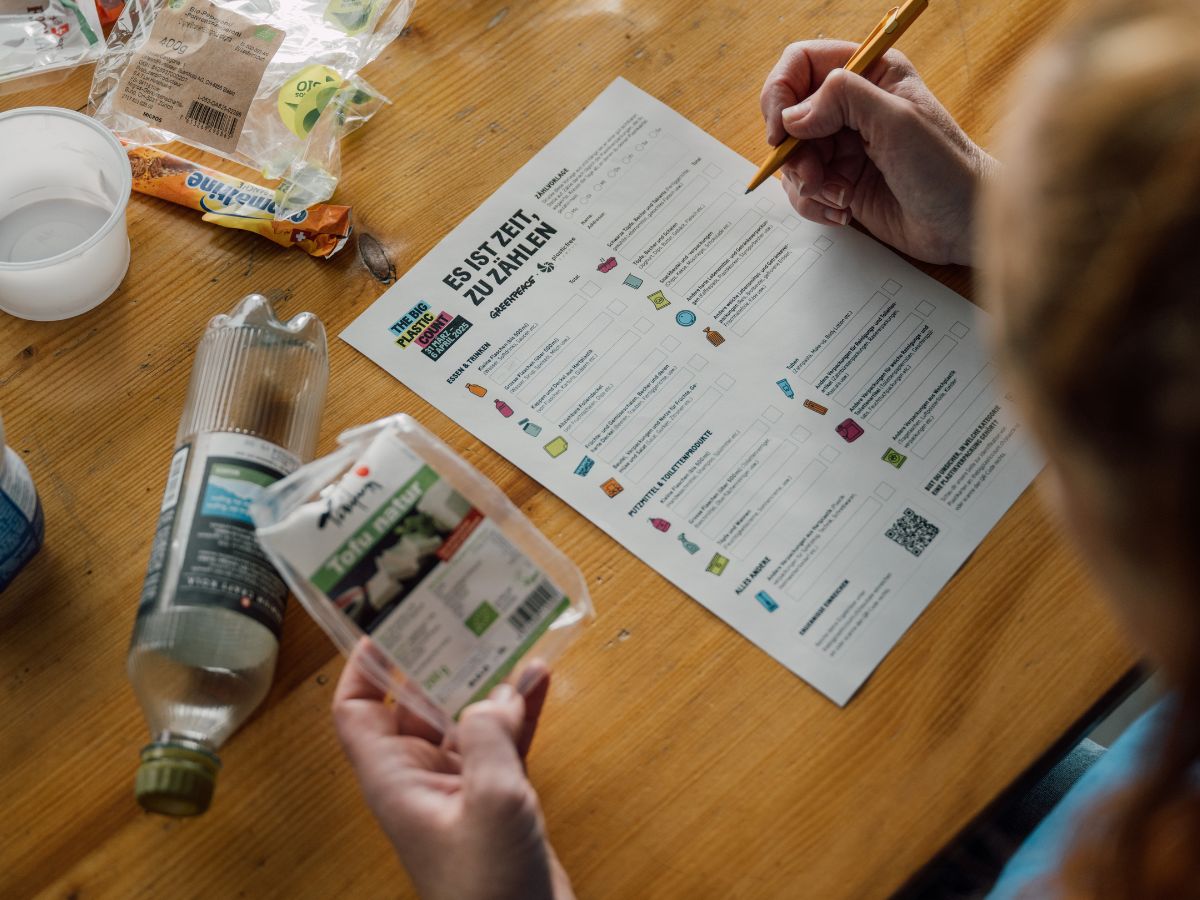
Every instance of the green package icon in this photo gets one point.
(480, 620)
(894, 457)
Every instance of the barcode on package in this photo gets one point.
(529, 611)
(912, 532)
(211, 119)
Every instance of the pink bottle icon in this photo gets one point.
(504, 408)
(661, 524)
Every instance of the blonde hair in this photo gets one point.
(1092, 259)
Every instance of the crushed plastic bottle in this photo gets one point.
(207, 631)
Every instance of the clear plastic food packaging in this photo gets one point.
(271, 84)
(396, 537)
(38, 37)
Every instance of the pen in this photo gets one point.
(894, 23)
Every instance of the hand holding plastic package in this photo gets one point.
(395, 537)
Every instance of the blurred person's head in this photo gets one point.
(1091, 261)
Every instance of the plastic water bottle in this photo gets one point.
(21, 522)
(208, 622)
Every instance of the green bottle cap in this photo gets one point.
(176, 779)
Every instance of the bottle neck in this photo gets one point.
(166, 736)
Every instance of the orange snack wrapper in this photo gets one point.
(321, 230)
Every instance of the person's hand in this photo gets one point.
(880, 148)
(464, 819)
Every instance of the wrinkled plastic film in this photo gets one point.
(309, 97)
(45, 38)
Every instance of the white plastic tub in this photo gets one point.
(64, 186)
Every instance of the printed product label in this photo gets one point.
(305, 95)
(204, 516)
(437, 584)
(197, 73)
(350, 16)
(22, 526)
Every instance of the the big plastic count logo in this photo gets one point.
(434, 333)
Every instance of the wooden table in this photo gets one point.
(675, 760)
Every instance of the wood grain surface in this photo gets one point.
(675, 759)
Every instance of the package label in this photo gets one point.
(198, 72)
(437, 584)
(351, 16)
(207, 518)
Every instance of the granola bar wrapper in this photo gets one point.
(320, 230)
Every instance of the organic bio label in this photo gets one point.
(197, 73)
(350, 16)
(305, 95)
(221, 562)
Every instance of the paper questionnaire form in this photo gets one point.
(788, 421)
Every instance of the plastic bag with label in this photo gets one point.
(395, 538)
(271, 84)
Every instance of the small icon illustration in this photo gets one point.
(659, 299)
(661, 524)
(627, 158)
(816, 407)
(685, 317)
(585, 466)
(786, 387)
(640, 147)
(607, 265)
(850, 430)
(556, 447)
(688, 545)
(655, 132)
(614, 171)
(894, 457)
(477, 389)
(504, 409)
(545, 267)
(717, 564)
(529, 428)
(633, 281)
(714, 337)
(767, 601)
(612, 487)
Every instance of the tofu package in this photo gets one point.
(397, 538)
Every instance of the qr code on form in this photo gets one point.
(912, 532)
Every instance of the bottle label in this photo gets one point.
(408, 560)
(205, 519)
(22, 526)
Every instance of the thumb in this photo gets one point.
(846, 100)
(487, 737)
